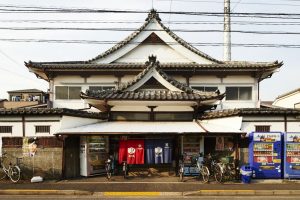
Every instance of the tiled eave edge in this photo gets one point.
(52, 111)
(249, 111)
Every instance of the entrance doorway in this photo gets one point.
(71, 157)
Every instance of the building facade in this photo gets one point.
(148, 100)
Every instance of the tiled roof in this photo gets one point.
(154, 95)
(288, 93)
(26, 91)
(168, 66)
(153, 15)
(248, 111)
(52, 111)
(122, 93)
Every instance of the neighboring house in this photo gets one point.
(288, 100)
(25, 98)
(153, 92)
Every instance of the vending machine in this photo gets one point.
(93, 154)
(265, 152)
(292, 155)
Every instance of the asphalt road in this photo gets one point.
(145, 186)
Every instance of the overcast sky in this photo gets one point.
(14, 75)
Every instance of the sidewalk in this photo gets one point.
(160, 186)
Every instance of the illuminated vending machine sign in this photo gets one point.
(265, 155)
(292, 155)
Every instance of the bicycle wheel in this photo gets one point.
(218, 173)
(14, 174)
(205, 174)
(108, 172)
(2, 174)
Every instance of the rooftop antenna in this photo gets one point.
(227, 31)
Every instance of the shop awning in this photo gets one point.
(119, 128)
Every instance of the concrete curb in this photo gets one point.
(43, 192)
(242, 193)
(154, 194)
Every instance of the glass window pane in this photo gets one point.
(200, 88)
(245, 93)
(74, 92)
(231, 93)
(61, 92)
(173, 116)
(130, 116)
(210, 89)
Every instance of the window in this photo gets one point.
(100, 88)
(67, 92)
(173, 116)
(205, 88)
(42, 129)
(262, 128)
(238, 93)
(5, 129)
(130, 116)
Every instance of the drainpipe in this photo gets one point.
(285, 122)
(23, 125)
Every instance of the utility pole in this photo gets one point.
(227, 31)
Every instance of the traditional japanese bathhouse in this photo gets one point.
(154, 88)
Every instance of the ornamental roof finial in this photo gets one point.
(153, 15)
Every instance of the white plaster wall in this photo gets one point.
(130, 108)
(153, 25)
(127, 78)
(15, 122)
(293, 126)
(102, 79)
(181, 79)
(288, 101)
(200, 80)
(274, 126)
(174, 108)
(71, 122)
(163, 52)
(239, 79)
(72, 104)
(30, 128)
(61, 80)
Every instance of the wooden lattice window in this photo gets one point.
(42, 129)
(262, 128)
(5, 129)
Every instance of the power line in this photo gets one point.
(134, 43)
(237, 2)
(151, 30)
(68, 10)
(244, 22)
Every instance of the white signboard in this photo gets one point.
(293, 137)
(267, 137)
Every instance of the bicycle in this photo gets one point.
(181, 167)
(215, 168)
(197, 162)
(12, 171)
(108, 168)
(203, 170)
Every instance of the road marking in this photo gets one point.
(131, 193)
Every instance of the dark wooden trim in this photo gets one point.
(42, 120)
(23, 125)
(285, 123)
(271, 121)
